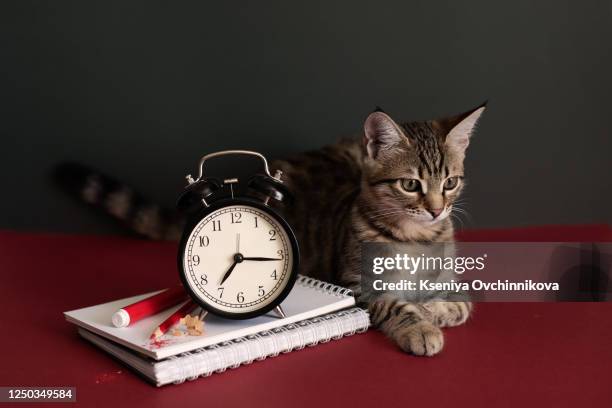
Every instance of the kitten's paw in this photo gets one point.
(421, 339)
(448, 314)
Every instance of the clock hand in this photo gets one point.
(237, 259)
(229, 272)
(237, 243)
(259, 258)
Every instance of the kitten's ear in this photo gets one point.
(459, 128)
(380, 133)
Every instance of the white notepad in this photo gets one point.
(309, 298)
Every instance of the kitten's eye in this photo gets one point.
(410, 185)
(451, 183)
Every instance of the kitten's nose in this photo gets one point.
(435, 211)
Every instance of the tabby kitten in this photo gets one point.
(397, 183)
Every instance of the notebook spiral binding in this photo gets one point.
(323, 286)
(269, 343)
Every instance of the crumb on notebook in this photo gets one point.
(195, 326)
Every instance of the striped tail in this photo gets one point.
(120, 201)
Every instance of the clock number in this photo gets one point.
(204, 241)
(274, 275)
(256, 226)
(272, 235)
(196, 260)
(280, 254)
(204, 279)
(240, 297)
(261, 291)
(216, 225)
(220, 289)
(236, 218)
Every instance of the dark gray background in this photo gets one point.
(141, 90)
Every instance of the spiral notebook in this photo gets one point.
(217, 358)
(314, 311)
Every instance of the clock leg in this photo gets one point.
(280, 312)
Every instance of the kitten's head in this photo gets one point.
(413, 172)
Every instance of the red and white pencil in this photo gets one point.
(149, 306)
(173, 319)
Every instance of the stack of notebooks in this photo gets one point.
(316, 313)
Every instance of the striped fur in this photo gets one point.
(350, 193)
(408, 324)
(120, 201)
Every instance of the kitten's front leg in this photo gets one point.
(407, 324)
(448, 314)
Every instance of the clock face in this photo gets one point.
(238, 259)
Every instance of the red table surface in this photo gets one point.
(508, 354)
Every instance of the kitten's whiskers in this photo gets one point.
(457, 213)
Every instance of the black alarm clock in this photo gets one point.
(238, 257)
